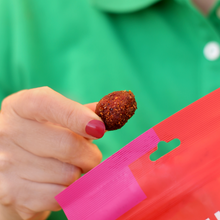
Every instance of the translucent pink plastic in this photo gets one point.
(182, 185)
(108, 186)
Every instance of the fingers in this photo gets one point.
(28, 166)
(47, 170)
(28, 196)
(36, 197)
(53, 141)
(44, 146)
(44, 104)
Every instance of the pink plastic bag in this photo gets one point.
(182, 185)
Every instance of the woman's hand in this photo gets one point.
(45, 145)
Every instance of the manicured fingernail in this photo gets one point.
(95, 128)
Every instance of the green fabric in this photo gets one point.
(84, 52)
(122, 5)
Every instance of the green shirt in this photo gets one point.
(165, 52)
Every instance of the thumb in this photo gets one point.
(91, 106)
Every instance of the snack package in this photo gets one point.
(181, 185)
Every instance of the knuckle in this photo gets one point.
(45, 88)
(75, 150)
(65, 144)
(71, 173)
(6, 106)
(94, 159)
(5, 102)
(69, 118)
(34, 99)
(31, 99)
(98, 157)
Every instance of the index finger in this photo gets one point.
(44, 104)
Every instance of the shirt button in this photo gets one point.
(212, 51)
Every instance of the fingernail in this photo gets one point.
(95, 128)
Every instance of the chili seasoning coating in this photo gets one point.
(116, 108)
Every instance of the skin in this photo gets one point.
(43, 149)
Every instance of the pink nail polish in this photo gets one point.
(95, 128)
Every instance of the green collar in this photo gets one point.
(122, 6)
